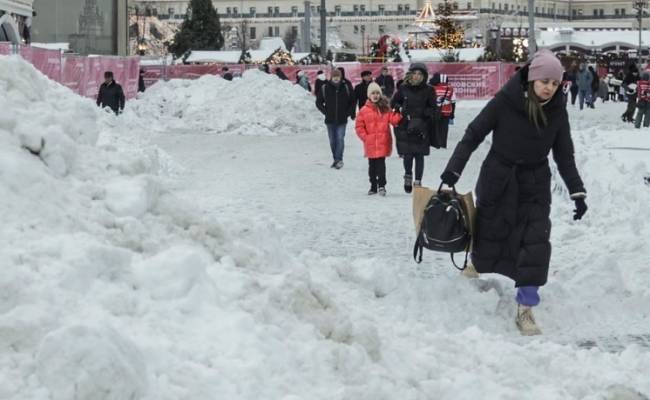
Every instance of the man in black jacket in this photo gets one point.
(227, 75)
(141, 86)
(385, 80)
(111, 94)
(361, 90)
(336, 101)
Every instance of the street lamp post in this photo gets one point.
(323, 30)
(639, 5)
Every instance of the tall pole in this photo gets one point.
(307, 28)
(640, 29)
(323, 30)
(532, 45)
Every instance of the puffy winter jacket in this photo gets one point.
(112, 96)
(336, 102)
(585, 79)
(373, 128)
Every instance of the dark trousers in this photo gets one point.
(574, 96)
(377, 171)
(419, 165)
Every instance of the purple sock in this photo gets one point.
(528, 295)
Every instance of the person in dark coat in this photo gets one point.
(572, 76)
(345, 80)
(417, 104)
(629, 87)
(595, 87)
(321, 79)
(280, 73)
(336, 102)
(226, 74)
(141, 85)
(361, 90)
(386, 82)
(111, 94)
(513, 193)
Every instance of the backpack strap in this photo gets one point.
(465, 264)
(417, 248)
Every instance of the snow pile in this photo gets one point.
(256, 104)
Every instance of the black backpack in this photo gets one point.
(445, 227)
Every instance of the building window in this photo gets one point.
(235, 11)
(407, 8)
(525, 9)
(455, 6)
(253, 33)
(382, 29)
(602, 12)
(270, 11)
(228, 11)
(536, 10)
(622, 11)
(469, 6)
(294, 11)
(505, 6)
(277, 31)
(381, 9)
(355, 8)
(270, 31)
(337, 11)
(363, 29)
(253, 11)
(595, 12)
(400, 27)
(276, 11)
(356, 29)
(362, 9)
(494, 6)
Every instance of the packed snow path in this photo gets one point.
(593, 300)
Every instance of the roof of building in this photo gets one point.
(596, 39)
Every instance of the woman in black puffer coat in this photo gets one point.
(417, 104)
(528, 120)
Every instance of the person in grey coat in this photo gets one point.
(585, 79)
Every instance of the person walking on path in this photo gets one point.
(446, 101)
(595, 87)
(643, 102)
(227, 75)
(572, 76)
(585, 78)
(141, 86)
(336, 101)
(373, 128)
(321, 79)
(361, 90)
(528, 119)
(111, 94)
(303, 80)
(417, 104)
(386, 82)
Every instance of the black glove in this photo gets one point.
(581, 208)
(450, 178)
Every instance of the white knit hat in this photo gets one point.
(373, 87)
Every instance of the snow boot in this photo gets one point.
(470, 271)
(333, 164)
(373, 189)
(526, 322)
(408, 183)
(338, 164)
(382, 191)
(417, 183)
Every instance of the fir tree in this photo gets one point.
(449, 34)
(201, 29)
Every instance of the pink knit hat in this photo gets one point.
(545, 66)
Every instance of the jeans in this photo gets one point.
(642, 114)
(419, 165)
(377, 171)
(584, 95)
(528, 296)
(336, 134)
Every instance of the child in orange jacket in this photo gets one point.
(373, 128)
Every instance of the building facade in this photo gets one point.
(357, 23)
(89, 26)
(13, 16)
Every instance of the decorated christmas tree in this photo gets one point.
(449, 34)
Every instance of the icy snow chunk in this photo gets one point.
(82, 362)
(131, 197)
(173, 273)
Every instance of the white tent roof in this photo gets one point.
(593, 38)
(422, 55)
(232, 56)
(52, 46)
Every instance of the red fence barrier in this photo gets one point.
(470, 80)
(83, 75)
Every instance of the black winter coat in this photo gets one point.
(387, 85)
(513, 191)
(318, 85)
(336, 102)
(111, 96)
(361, 94)
(418, 105)
(141, 86)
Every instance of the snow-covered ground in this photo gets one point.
(153, 256)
